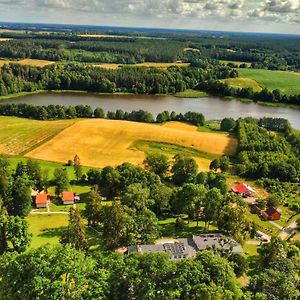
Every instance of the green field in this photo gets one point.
(241, 82)
(18, 136)
(287, 82)
(191, 94)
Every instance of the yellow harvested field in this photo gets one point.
(35, 62)
(191, 49)
(145, 64)
(100, 142)
(4, 40)
(28, 61)
(108, 66)
(180, 126)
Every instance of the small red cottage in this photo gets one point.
(271, 214)
(42, 200)
(68, 198)
(243, 189)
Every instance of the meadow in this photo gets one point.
(17, 136)
(241, 82)
(287, 82)
(100, 142)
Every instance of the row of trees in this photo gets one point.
(58, 112)
(15, 78)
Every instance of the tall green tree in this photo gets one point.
(61, 180)
(94, 208)
(77, 167)
(21, 196)
(74, 234)
(184, 169)
(157, 163)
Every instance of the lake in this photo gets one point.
(214, 108)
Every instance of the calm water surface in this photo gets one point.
(213, 108)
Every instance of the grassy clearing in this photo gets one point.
(46, 229)
(29, 62)
(145, 64)
(191, 94)
(106, 142)
(287, 82)
(243, 83)
(21, 135)
(168, 230)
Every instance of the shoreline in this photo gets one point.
(189, 94)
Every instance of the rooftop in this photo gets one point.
(41, 198)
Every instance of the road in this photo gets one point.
(287, 231)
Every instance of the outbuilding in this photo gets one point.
(68, 198)
(271, 214)
(42, 201)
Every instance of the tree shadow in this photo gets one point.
(52, 232)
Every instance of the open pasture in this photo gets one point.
(108, 142)
(287, 82)
(20, 135)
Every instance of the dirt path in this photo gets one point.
(288, 230)
(49, 213)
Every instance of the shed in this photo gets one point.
(42, 200)
(68, 198)
(271, 214)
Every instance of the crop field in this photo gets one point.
(108, 142)
(287, 82)
(145, 64)
(241, 82)
(28, 61)
(20, 135)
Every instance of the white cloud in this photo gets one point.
(217, 14)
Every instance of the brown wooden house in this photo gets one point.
(271, 214)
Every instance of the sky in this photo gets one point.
(281, 16)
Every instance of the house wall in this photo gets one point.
(68, 202)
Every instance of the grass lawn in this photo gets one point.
(262, 225)
(191, 94)
(287, 82)
(249, 249)
(167, 228)
(46, 229)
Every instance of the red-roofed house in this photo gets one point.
(42, 200)
(271, 214)
(243, 189)
(68, 198)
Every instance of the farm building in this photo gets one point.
(271, 214)
(243, 190)
(188, 247)
(42, 200)
(68, 198)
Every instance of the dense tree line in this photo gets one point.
(263, 153)
(103, 50)
(15, 78)
(59, 112)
